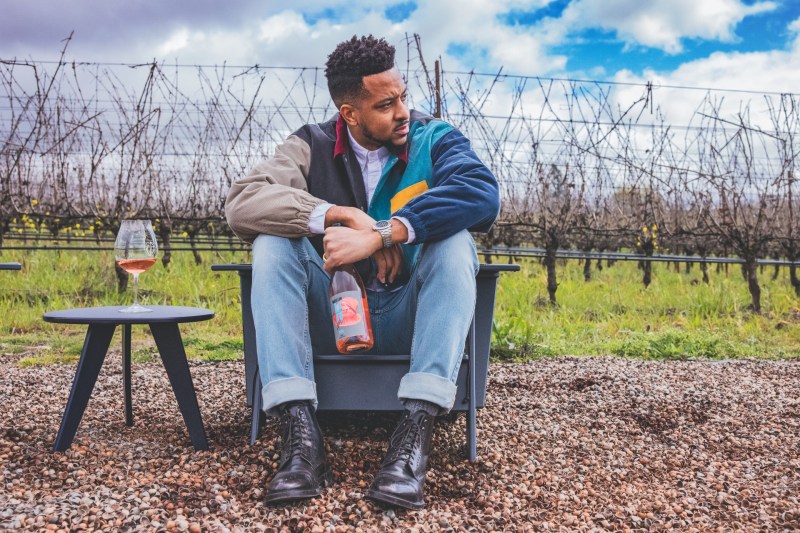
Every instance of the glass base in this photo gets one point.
(136, 308)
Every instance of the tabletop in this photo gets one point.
(111, 315)
(10, 266)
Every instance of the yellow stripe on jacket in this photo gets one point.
(412, 191)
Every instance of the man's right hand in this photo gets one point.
(388, 260)
(349, 217)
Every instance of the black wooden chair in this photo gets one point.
(369, 383)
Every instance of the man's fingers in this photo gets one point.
(389, 262)
(381, 261)
(396, 253)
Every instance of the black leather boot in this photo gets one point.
(401, 478)
(304, 469)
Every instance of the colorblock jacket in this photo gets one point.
(437, 183)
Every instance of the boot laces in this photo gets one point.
(297, 434)
(404, 441)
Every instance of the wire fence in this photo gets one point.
(582, 164)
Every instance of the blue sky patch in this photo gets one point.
(519, 17)
(468, 53)
(328, 13)
(400, 12)
(595, 50)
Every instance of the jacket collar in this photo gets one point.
(343, 142)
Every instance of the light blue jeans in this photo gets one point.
(428, 317)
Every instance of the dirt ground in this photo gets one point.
(571, 443)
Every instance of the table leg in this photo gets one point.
(173, 356)
(95, 347)
(126, 373)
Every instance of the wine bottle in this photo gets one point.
(351, 322)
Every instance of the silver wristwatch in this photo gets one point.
(384, 227)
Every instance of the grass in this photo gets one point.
(677, 317)
(52, 280)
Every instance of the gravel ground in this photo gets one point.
(564, 444)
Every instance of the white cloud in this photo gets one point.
(746, 76)
(475, 23)
(661, 23)
(283, 26)
(175, 44)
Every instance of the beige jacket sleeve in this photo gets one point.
(273, 198)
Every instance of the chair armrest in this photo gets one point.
(484, 268)
(236, 267)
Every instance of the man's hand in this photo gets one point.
(346, 245)
(389, 261)
(355, 240)
(349, 217)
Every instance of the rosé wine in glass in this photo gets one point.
(135, 250)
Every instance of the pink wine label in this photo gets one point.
(348, 314)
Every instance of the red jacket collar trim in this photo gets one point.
(343, 142)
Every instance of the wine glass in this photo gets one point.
(135, 251)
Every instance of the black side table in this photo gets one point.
(163, 321)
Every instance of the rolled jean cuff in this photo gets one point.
(428, 387)
(287, 390)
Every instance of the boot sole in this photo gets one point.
(390, 499)
(292, 495)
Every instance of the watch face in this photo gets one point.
(384, 227)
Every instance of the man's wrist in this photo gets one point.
(399, 231)
(333, 215)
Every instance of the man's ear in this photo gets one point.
(349, 114)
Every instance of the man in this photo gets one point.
(395, 192)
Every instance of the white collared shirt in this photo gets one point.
(371, 163)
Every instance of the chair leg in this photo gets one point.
(255, 417)
(95, 347)
(472, 439)
(170, 348)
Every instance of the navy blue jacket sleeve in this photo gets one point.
(464, 193)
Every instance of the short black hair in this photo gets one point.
(351, 61)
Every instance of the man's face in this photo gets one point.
(380, 117)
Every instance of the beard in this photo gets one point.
(386, 142)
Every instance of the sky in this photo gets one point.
(732, 44)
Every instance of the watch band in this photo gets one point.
(384, 228)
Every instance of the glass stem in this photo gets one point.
(136, 289)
